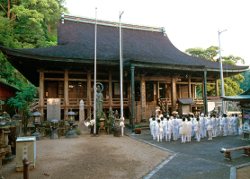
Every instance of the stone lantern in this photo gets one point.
(54, 128)
(71, 121)
(37, 121)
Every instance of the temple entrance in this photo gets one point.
(51, 89)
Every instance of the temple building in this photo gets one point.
(155, 71)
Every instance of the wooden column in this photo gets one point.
(89, 102)
(158, 90)
(66, 93)
(189, 87)
(217, 87)
(205, 92)
(179, 87)
(143, 97)
(110, 89)
(132, 69)
(41, 92)
(173, 89)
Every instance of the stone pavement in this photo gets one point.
(196, 159)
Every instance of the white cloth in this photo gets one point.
(183, 128)
(153, 129)
(159, 131)
(168, 127)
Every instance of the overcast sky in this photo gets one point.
(188, 23)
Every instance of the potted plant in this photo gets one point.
(137, 129)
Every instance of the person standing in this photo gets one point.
(183, 129)
(189, 129)
(214, 124)
(168, 126)
(225, 124)
(159, 130)
(197, 129)
(232, 123)
(153, 128)
(236, 124)
(203, 122)
(175, 125)
(209, 124)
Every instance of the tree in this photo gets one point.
(22, 103)
(26, 24)
(231, 84)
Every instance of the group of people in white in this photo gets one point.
(191, 126)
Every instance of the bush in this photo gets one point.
(78, 132)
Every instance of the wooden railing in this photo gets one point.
(76, 101)
(198, 100)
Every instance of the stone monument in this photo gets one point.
(53, 109)
(81, 126)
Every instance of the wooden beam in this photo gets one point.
(110, 89)
(41, 90)
(217, 87)
(173, 93)
(53, 79)
(66, 93)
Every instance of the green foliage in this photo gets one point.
(245, 85)
(78, 132)
(231, 84)
(26, 24)
(22, 103)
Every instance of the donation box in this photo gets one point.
(25, 148)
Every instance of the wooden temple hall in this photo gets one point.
(154, 69)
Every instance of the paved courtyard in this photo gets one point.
(196, 159)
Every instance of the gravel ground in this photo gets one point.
(91, 157)
(243, 173)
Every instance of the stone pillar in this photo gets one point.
(41, 92)
(89, 102)
(132, 69)
(66, 93)
(217, 87)
(143, 97)
(81, 125)
(110, 90)
(173, 89)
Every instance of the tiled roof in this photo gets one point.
(186, 101)
(140, 44)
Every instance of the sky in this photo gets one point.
(188, 23)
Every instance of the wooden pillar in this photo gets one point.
(41, 92)
(193, 91)
(132, 69)
(143, 97)
(202, 86)
(89, 102)
(189, 87)
(217, 87)
(66, 93)
(110, 90)
(173, 89)
(179, 87)
(158, 90)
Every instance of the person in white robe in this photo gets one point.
(183, 129)
(197, 129)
